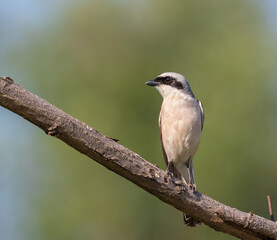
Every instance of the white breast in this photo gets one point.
(180, 120)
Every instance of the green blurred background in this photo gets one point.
(92, 59)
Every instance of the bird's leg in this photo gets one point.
(169, 167)
(191, 182)
(189, 175)
(172, 172)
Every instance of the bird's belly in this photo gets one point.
(181, 131)
(180, 146)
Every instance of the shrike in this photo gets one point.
(181, 122)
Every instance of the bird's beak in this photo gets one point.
(152, 83)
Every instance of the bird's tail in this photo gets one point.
(190, 221)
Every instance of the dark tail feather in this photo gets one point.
(190, 222)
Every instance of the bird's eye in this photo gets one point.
(168, 80)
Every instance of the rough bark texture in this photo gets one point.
(131, 166)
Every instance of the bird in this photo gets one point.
(181, 122)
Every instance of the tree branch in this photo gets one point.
(131, 166)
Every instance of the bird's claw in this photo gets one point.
(192, 187)
(169, 174)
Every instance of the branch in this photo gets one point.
(131, 166)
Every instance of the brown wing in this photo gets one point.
(169, 165)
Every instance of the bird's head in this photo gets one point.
(171, 83)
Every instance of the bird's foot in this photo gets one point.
(192, 187)
(169, 175)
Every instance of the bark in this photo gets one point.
(131, 166)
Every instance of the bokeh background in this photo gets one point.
(91, 59)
